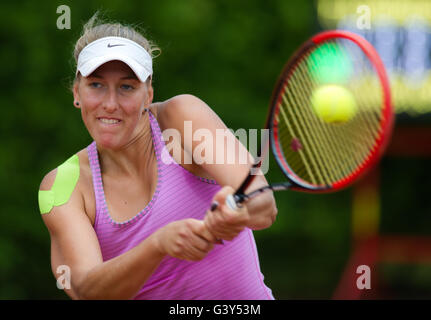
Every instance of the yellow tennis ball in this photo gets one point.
(333, 103)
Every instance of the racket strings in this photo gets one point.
(371, 86)
(295, 161)
(319, 152)
(366, 135)
(332, 149)
(329, 149)
(357, 60)
(323, 173)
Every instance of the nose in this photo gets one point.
(110, 103)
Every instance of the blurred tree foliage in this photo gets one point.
(228, 53)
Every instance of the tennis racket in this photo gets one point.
(317, 155)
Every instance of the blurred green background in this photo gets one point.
(228, 53)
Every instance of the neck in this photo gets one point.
(134, 158)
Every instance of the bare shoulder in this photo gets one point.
(77, 189)
(172, 114)
(48, 180)
(185, 107)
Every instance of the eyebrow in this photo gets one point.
(132, 76)
(129, 77)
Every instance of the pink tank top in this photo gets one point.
(229, 272)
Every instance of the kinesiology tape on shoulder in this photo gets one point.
(64, 184)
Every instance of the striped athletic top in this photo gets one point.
(230, 271)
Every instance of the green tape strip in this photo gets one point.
(64, 184)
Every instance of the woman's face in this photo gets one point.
(112, 100)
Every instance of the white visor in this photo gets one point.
(115, 48)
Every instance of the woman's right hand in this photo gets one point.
(187, 239)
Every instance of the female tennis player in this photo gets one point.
(130, 224)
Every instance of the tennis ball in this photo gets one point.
(333, 103)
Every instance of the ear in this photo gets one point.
(76, 97)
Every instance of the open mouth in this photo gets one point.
(109, 121)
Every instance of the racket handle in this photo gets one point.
(249, 178)
(231, 201)
(214, 206)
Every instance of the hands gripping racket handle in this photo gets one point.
(233, 202)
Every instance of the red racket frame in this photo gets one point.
(386, 123)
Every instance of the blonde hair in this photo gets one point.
(96, 28)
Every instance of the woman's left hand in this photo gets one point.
(224, 222)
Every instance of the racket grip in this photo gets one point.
(232, 202)
(214, 206)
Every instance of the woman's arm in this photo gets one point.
(174, 112)
(74, 243)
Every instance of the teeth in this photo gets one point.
(109, 121)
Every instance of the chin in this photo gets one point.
(108, 143)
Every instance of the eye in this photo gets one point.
(95, 84)
(127, 87)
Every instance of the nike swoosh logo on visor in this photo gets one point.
(114, 45)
